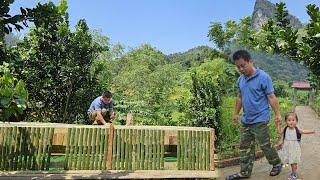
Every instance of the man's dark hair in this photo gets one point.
(241, 54)
(107, 94)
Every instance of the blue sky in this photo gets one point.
(168, 25)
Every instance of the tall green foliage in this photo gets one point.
(13, 96)
(56, 65)
(310, 46)
(209, 82)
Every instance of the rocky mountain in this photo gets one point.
(263, 10)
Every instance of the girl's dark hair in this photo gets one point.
(291, 114)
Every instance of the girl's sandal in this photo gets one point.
(236, 176)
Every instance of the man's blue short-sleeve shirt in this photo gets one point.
(254, 91)
(98, 105)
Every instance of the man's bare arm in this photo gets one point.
(275, 106)
(237, 109)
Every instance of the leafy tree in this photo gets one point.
(245, 33)
(209, 82)
(220, 36)
(56, 65)
(310, 46)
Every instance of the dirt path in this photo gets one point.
(309, 168)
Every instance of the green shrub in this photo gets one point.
(13, 95)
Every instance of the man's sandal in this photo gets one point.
(275, 170)
(236, 176)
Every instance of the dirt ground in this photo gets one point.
(308, 169)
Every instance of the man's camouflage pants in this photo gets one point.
(249, 134)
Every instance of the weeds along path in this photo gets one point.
(308, 169)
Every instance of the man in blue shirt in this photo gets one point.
(101, 109)
(256, 93)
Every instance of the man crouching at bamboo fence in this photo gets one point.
(101, 109)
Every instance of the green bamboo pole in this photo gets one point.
(36, 138)
(182, 149)
(51, 132)
(178, 149)
(105, 148)
(102, 142)
(203, 155)
(197, 150)
(191, 149)
(80, 148)
(143, 147)
(9, 140)
(207, 150)
(92, 148)
(157, 149)
(138, 149)
(126, 150)
(75, 149)
(33, 148)
(150, 150)
(114, 149)
(186, 150)
(42, 147)
(2, 147)
(15, 153)
(67, 152)
(29, 147)
(44, 137)
(130, 140)
(11, 149)
(154, 150)
(25, 147)
(18, 140)
(118, 142)
(134, 149)
(70, 159)
(96, 165)
(122, 147)
(162, 133)
(5, 148)
(186, 141)
(88, 144)
(147, 159)
(101, 149)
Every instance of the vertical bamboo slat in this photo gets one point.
(129, 149)
(154, 149)
(110, 141)
(208, 150)
(118, 135)
(15, 153)
(67, 152)
(114, 149)
(102, 142)
(142, 149)
(105, 148)
(96, 154)
(92, 141)
(2, 147)
(134, 149)
(139, 141)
